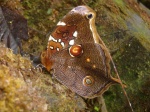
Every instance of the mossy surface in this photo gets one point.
(17, 91)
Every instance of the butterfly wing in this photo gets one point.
(87, 74)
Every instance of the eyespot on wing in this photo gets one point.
(74, 72)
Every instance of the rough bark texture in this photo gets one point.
(124, 25)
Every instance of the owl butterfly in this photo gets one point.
(77, 55)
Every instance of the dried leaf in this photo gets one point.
(13, 28)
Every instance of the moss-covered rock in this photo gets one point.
(17, 91)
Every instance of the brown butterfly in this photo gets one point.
(78, 56)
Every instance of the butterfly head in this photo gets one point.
(80, 15)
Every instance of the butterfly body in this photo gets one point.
(77, 54)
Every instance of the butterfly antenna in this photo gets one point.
(125, 93)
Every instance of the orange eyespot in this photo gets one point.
(88, 81)
(94, 66)
(88, 60)
(75, 50)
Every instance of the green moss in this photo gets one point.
(131, 55)
(120, 3)
(96, 109)
(133, 69)
(16, 94)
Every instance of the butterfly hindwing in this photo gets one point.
(73, 71)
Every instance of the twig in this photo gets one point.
(121, 84)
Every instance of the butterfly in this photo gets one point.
(78, 56)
